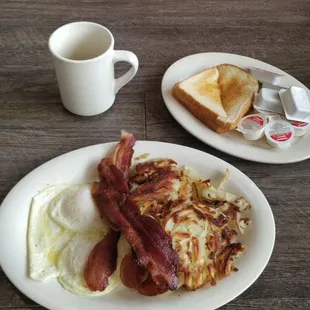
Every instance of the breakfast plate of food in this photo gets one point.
(241, 106)
(135, 225)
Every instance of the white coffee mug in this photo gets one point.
(84, 59)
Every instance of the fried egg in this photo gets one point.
(72, 261)
(46, 239)
(64, 226)
(203, 222)
(74, 209)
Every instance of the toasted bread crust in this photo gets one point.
(248, 103)
(205, 115)
(245, 109)
(247, 73)
(208, 117)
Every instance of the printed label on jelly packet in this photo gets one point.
(299, 124)
(252, 123)
(281, 137)
(280, 131)
(256, 119)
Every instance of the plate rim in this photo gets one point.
(193, 132)
(35, 297)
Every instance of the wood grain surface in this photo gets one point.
(34, 127)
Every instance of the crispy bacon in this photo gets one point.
(123, 152)
(149, 240)
(131, 272)
(137, 277)
(133, 276)
(101, 262)
(159, 245)
(150, 288)
(110, 194)
(153, 247)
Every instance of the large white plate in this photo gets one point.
(79, 167)
(232, 142)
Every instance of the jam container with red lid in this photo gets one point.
(279, 133)
(252, 126)
(300, 128)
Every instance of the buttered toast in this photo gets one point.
(219, 96)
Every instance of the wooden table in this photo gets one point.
(34, 127)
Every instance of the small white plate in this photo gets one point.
(232, 142)
(80, 167)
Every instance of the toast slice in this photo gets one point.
(238, 90)
(201, 95)
(219, 96)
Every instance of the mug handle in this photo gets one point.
(124, 79)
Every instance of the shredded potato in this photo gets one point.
(204, 222)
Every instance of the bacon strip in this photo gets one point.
(101, 262)
(150, 242)
(130, 272)
(123, 152)
(132, 276)
(162, 261)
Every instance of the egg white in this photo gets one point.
(64, 226)
(71, 265)
(74, 209)
(46, 239)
